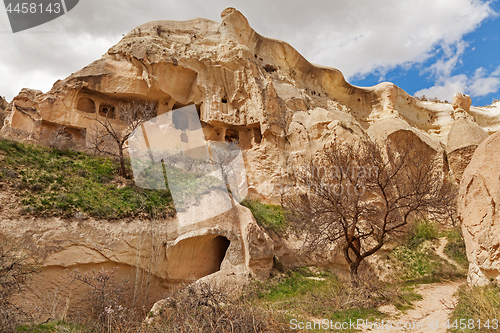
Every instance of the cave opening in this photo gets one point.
(196, 257)
(86, 105)
(232, 136)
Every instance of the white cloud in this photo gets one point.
(480, 84)
(378, 35)
(444, 90)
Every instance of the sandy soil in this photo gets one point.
(430, 313)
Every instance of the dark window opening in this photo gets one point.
(107, 111)
(180, 120)
(184, 138)
(257, 135)
(232, 136)
(198, 110)
(270, 68)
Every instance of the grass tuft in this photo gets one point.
(482, 305)
(268, 216)
(421, 231)
(455, 248)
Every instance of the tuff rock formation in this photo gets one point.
(479, 197)
(3, 110)
(153, 256)
(254, 90)
(464, 137)
(248, 89)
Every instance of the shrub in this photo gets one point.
(268, 216)
(14, 273)
(204, 307)
(455, 248)
(421, 231)
(105, 298)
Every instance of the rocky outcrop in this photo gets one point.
(464, 137)
(249, 89)
(161, 254)
(3, 110)
(479, 197)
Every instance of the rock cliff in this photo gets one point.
(254, 90)
(478, 200)
(248, 89)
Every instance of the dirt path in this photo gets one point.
(440, 252)
(431, 312)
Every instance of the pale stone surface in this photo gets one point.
(165, 252)
(256, 91)
(479, 197)
(461, 101)
(463, 139)
(3, 110)
(247, 87)
(488, 117)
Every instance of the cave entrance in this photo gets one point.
(196, 257)
(232, 136)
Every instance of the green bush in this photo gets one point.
(268, 216)
(455, 248)
(422, 265)
(421, 231)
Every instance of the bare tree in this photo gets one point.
(358, 195)
(113, 128)
(14, 273)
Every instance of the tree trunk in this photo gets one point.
(123, 171)
(354, 272)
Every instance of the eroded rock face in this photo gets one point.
(479, 197)
(461, 101)
(254, 91)
(163, 253)
(247, 88)
(3, 110)
(464, 137)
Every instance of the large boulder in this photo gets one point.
(398, 131)
(478, 202)
(464, 137)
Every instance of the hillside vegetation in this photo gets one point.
(53, 182)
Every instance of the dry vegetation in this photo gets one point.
(267, 306)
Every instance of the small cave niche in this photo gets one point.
(86, 104)
(257, 136)
(232, 136)
(224, 100)
(108, 111)
(198, 110)
(270, 68)
(180, 120)
(197, 256)
(179, 105)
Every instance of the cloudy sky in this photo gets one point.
(427, 47)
